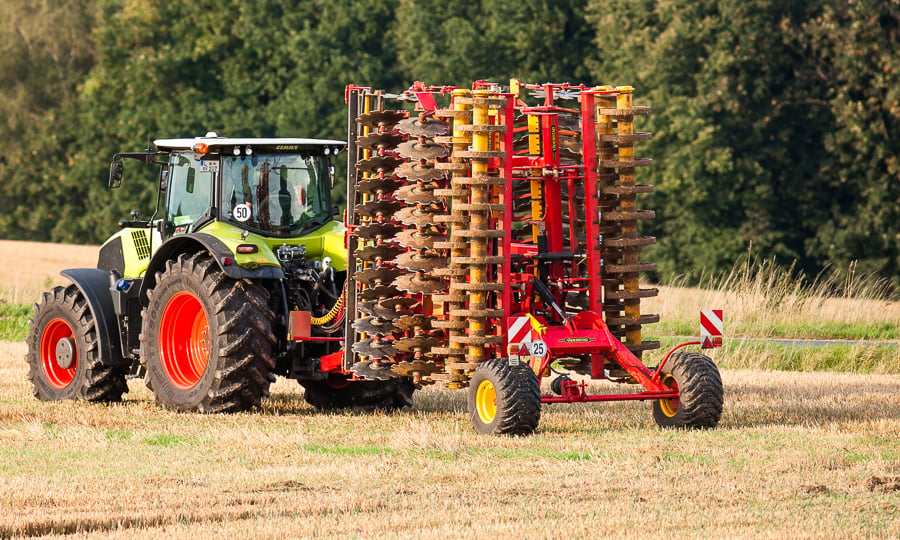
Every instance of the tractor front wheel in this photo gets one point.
(504, 398)
(63, 351)
(700, 393)
(207, 339)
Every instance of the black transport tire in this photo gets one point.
(206, 339)
(504, 399)
(389, 395)
(63, 328)
(700, 393)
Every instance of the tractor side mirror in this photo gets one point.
(116, 168)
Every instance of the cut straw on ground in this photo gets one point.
(813, 455)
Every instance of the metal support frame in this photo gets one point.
(486, 172)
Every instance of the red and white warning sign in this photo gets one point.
(523, 340)
(712, 327)
(519, 331)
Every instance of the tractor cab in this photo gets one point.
(258, 194)
(271, 187)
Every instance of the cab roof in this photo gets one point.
(212, 141)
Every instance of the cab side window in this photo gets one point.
(189, 190)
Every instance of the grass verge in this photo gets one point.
(849, 358)
(14, 321)
(763, 300)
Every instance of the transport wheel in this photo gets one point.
(700, 393)
(340, 393)
(207, 339)
(504, 399)
(63, 351)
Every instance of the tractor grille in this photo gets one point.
(141, 246)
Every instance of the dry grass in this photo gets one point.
(797, 455)
(764, 300)
(29, 268)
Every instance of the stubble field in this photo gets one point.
(796, 455)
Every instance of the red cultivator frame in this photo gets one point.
(493, 242)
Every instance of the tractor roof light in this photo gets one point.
(248, 150)
(237, 150)
(201, 147)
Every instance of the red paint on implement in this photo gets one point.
(184, 340)
(58, 377)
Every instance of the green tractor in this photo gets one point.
(237, 277)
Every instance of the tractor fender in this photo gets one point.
(193, 243)
(94, 285)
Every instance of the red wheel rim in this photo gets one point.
(58, 377)
(184, 340)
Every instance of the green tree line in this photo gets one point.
(775, 123)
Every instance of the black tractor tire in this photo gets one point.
(63, 327)
(206, 339)
(700, 393)
(504, 398)
(389, 395)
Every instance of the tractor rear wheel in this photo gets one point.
(700, 393)
(504, 398)
(207, 339)
(63, 351)
(389, 395)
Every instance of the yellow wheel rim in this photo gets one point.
(669, 407)
(486, 402)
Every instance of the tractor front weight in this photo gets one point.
(495, 227)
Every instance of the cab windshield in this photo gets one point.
(276, 194)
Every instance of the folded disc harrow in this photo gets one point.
(484, 227)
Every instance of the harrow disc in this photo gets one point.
(380, 119)
(374, 325)
(384, 164)
(415, 283)
(416, 194)
(413, 322)
(381, 252)
(426, 151)
(418, 344)
(378, 231)
(399, 304)
(380, 141)
(379, 185)
(424, 262)
(417, 239)
(373, 309)
(374, 348)
(381, 208)
(379, 292)
(416, 368)
(419, 172)
(378, 275)
(416, 127)
(417, 216)
(376, 371)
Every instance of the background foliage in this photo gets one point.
(776, 123)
